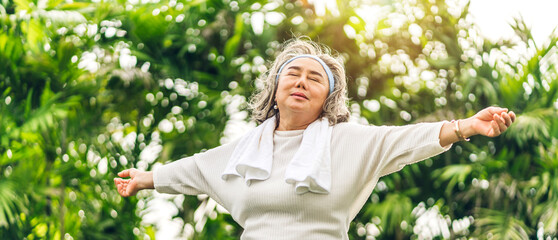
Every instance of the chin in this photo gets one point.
(297, 109)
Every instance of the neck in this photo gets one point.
(294, 122)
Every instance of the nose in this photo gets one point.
(301, 81)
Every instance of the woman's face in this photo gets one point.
(303, 88)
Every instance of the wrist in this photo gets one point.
(466, 128)
(146, 180)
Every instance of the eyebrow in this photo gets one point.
(311, 71)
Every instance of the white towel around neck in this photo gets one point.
(309, 170)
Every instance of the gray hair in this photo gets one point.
(335, 106)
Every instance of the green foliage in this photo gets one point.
(501, 225)
(396, 208)
(90, 88)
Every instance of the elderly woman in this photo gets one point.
(305, 172)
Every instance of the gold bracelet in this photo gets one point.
(458, 132)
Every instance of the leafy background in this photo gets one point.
(89, 88)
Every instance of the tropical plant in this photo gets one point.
(497, 181)
(90, 88)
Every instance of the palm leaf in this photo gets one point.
(394, 209)
(453, 174)
(547, 213)
(500, 225)
(47, 114)
(11, 203)
(532, 125)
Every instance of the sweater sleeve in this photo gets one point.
(198, 174)
(404, 145)
(180, 177)
(386, 149)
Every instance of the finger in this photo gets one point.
(122, 186)
(125, 181)
(496, 110)
(495, 129)
(120, 189)
(512, 116)
(127, 173)
(507, 119)
(124, 173)
(124, 190)
(501, 124)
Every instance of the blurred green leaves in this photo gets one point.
(91, 88)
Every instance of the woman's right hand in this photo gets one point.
(138, 180)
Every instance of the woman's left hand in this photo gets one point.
(490, 122)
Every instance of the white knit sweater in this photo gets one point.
(271, 209)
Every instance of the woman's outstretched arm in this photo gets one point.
(491, 122)
(138, 180)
